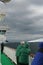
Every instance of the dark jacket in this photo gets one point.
(38, 59)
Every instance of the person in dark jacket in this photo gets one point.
(38, 59)
(2, 47)
(24, 55)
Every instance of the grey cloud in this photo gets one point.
(37, 2)
(24, 25)
(23, 28)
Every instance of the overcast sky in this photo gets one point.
(24, 18)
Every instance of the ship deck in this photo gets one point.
(4, 60)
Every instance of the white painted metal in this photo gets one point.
(37, 40)
(11, 53)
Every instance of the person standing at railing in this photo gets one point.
(18, 51)
(2, 47)
(24, 55)
(38, 59)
